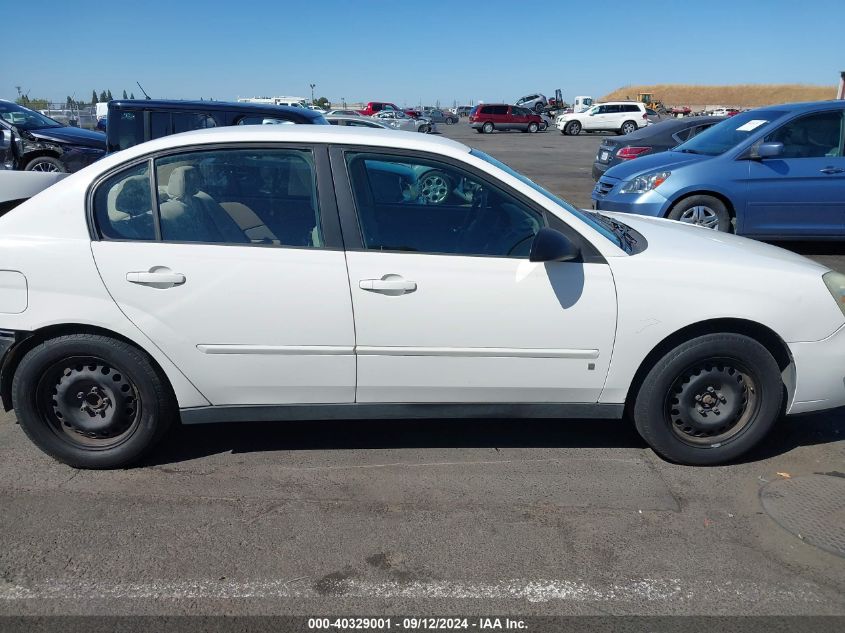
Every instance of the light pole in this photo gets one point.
(312, 92)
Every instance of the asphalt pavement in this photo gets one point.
(425, 518)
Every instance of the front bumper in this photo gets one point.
(820, 374)
(607, 198)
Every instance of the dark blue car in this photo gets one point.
(775, 173)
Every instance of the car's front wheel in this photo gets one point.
(91, 401)
(533, 127)
(46, 163)
(709, 400)
(706, 211)
(573, 128)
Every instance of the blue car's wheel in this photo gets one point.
(706, 211)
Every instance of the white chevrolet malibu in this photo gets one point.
(314, 272)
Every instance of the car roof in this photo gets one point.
(213, 106)
(322, 134)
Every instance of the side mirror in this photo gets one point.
(770, 150)
(552, 246)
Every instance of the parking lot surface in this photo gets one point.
(431, 518)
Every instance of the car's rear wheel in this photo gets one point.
(706, 211)
(91, 401)
(46, 164)
(628, 127)
(487, 128)
(450, 121)
(533, 127)
(573, 128)
(709, 400)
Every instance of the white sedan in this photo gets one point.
(316, 272)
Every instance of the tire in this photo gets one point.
(706, 211)
(450, 121)
(573, 128)
(533, 127)
(47, 164)
(628, 127)
(435, 187)
(538, 108)
(424, 129)
(487, 128)
(127, 405)
(709, 400)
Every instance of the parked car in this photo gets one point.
(773, 173)
(500, 300)
(358, 121)
(652, 139)
(34, 142)
(439, 116)
(401, 121)
(622, 117)
(535, 102)
(499, 116)
(462, 111)
(342, 113)
(135, 121)
(374, 107)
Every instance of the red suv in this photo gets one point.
(374, 107)
(498, 116)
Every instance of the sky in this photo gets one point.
(412, 51)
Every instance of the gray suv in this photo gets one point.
(536, 102)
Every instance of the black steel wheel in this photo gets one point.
(91, 401)
(88, 402)
(709, 400)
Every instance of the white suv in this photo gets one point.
(622, 117)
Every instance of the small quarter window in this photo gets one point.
(123, 207)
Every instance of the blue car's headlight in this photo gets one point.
(646, 182)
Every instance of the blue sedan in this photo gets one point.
(775, 173)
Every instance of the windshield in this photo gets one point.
(24, 118)
(590, 220)
(730, 132)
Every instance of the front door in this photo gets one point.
(447, 306)
(801, 192)
(239, 283)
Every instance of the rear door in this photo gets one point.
(230, 261)
(802, 192)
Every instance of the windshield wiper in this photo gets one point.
(626, 240)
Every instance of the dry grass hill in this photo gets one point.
(739, 96)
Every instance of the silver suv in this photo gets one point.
(536, 102)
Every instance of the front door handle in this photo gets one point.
(156, 277)
(388, 285)
(832, 170)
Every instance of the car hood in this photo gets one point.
(664, 160)
(685, 244)
(72, 136)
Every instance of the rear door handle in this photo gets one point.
(163, 278)
(388, 285)
(832, 170)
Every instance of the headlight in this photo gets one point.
(646, 182)
(835, 282)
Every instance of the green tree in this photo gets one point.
(103, 96)
(322, 102)
(131, 95)
(94, 97)
(124, 95)
(109, 97)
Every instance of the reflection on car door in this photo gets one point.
(802, 192)
(447, 306)
(238, 282)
